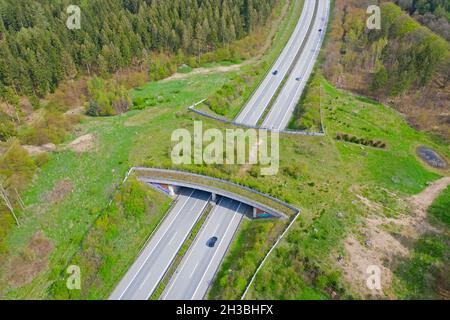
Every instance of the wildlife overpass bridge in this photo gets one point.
(264, 206)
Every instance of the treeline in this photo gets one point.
(37, 50)
(440, 8)
(411, 54)
(403, 55)
(435, 14)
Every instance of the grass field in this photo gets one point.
(71, 192)
(121, 142)
(424, 274)
(322, 176)
(440, 209)
(317, 175)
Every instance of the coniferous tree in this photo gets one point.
(37, 51)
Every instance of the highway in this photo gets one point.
(200, 264)
(145, 274)
(197, 269)
(262, 97)
(281, 111)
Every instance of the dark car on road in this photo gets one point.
(275, 72)
(211, 242)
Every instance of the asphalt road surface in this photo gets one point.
(154, 260)
(197, 269)
(262, 97)
(281, 111)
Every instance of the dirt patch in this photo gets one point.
(35, 150)
(197, 71)
(423, 200)
(253, 157)
(383, 240)
(83, 144)
(75, 111)
(30, 262)
(369, 204)
(60, 191)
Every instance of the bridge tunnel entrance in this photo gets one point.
(173, 191)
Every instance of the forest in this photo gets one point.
(38, 51)
(404, 64)
(435, 14)
(39, 55)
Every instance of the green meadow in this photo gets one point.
(318, 175)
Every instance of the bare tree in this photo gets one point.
(4, 196)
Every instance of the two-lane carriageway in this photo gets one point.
(198, 268)
(145, 274)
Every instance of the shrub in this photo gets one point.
(17, 167)
(41, 159)
(161, 66)
(92, 109)
(7, 127)
(35, 102)
(357, 140)
(293, 170)
(106, 98)
(52, 127)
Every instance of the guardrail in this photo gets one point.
(232, 122)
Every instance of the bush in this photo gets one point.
(92, 109)
(222, 100)
(52, 127)
(41, 159)
(161, 66)
(17, 167)
(363, 141)
(107, 98)
(35, 102)
(7, 127)
(294, 170)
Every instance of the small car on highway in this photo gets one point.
(211, 242)
(275, 72)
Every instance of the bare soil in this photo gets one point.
(83, 144)
(197, 71)
(35, 150)
(387, 239)
(60, 191)
(31, 261)
(253, 157)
